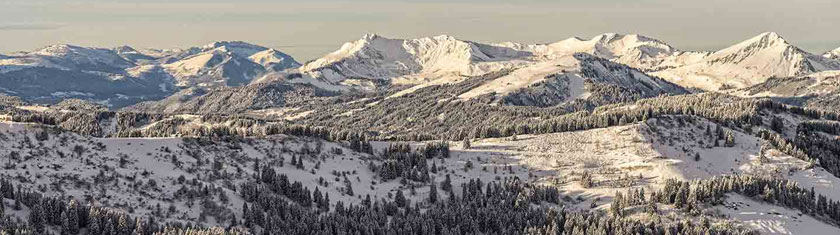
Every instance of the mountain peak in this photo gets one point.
(239, 48)
(833, 54)
(371, 37)
(606, 37)
(767, 39)
(445, 37)
(125, 49)
(57, 49)
(229, 43)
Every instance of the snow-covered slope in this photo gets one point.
(748, 63)
(232, 100)
(274, 60)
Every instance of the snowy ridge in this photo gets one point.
(376, 57)
(65, 57)
(748, 63)
(562, 79)
(634, 50)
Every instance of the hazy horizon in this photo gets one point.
(307, 30)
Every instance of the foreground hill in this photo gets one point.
(221, 181)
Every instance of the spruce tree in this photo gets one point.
(433, 195)
(36, 218)
(399, 199)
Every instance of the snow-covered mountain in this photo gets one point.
(411, 61)
(214, 68)
(634, 50)
(748, 63)
(66, 57)
(123, 76)
(225, 64)
(445, 60)
(833, 54)
(57, 72)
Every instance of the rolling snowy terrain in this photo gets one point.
(617, 134)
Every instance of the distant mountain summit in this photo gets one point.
(834, 54)
(274, 60)
(748, 63)
(632, 49)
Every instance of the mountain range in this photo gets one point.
(124, 76)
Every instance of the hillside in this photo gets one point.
(207, 181)
(232, 100)
(818, 90)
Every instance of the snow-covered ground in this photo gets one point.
(119, 172)
(773, 219)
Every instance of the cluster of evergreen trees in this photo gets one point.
(505, 207)
(811, 140)
(271, 183)
(693, 196)
(399, 160)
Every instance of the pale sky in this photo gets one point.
(307, 29)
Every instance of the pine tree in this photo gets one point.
(446, 185)
(246, 215)
(467, 144)
(399, 199)
(36, 218)
(326, 203)
(70, 222)
(433, 194)
(617, 205)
